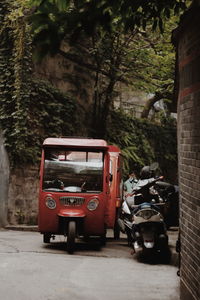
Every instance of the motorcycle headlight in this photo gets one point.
(50, 202)
(93, 204)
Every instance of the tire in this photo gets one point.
(103, 238)
(46, 238)
(71, 237)
(149, 253)
(129, 237)
(116, 230)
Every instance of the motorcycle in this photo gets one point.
(142, 219)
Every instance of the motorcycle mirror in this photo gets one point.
(154, 166)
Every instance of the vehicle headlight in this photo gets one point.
(93, 204)
(50, 202)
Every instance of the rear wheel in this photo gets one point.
(46, 238)
(116, 232)
(71, 236)
(116, 227)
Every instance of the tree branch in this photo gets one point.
(150, 102)
(76, 59)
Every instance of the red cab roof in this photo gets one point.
(113, 148)
(76, 142)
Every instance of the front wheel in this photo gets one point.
(71, 236)
(103, 237)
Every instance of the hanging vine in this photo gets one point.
(30, 110)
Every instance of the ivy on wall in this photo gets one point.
(7, 106)
(30, 110)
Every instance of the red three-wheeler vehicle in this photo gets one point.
(75, 189)
(116, 189)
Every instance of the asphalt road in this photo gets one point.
(31, 270)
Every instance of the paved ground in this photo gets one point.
(32, 270)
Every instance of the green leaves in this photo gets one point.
(73, 17)
(62, 5)
(29, 110)
(143, 142)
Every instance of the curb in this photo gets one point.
(22, 227)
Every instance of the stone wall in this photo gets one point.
(23, 196)
(70, 77)
(187, 40)
(19, 190)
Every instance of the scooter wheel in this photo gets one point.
(71, 237)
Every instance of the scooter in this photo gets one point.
(141, 218)
(149, 230)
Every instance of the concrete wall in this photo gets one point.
(18, 192)
(23, 196)
(70, 76)
(4, 182)
(187, 40)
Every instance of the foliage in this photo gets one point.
(84, 15)
(154, 58)
(141, 59)
(143, 142)
(30, 109)
(51, 113)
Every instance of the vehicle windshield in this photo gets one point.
(73, 171)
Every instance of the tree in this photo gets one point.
(53, 19)
(122, 27)
(87, 15)
(140, 59)
(157, 77)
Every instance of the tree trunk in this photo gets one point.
(150, 102)
(106, 108)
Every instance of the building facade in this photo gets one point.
(187, 41)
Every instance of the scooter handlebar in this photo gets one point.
(149, 184)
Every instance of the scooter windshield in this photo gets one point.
(73, 171)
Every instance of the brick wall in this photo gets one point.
(187, 40)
